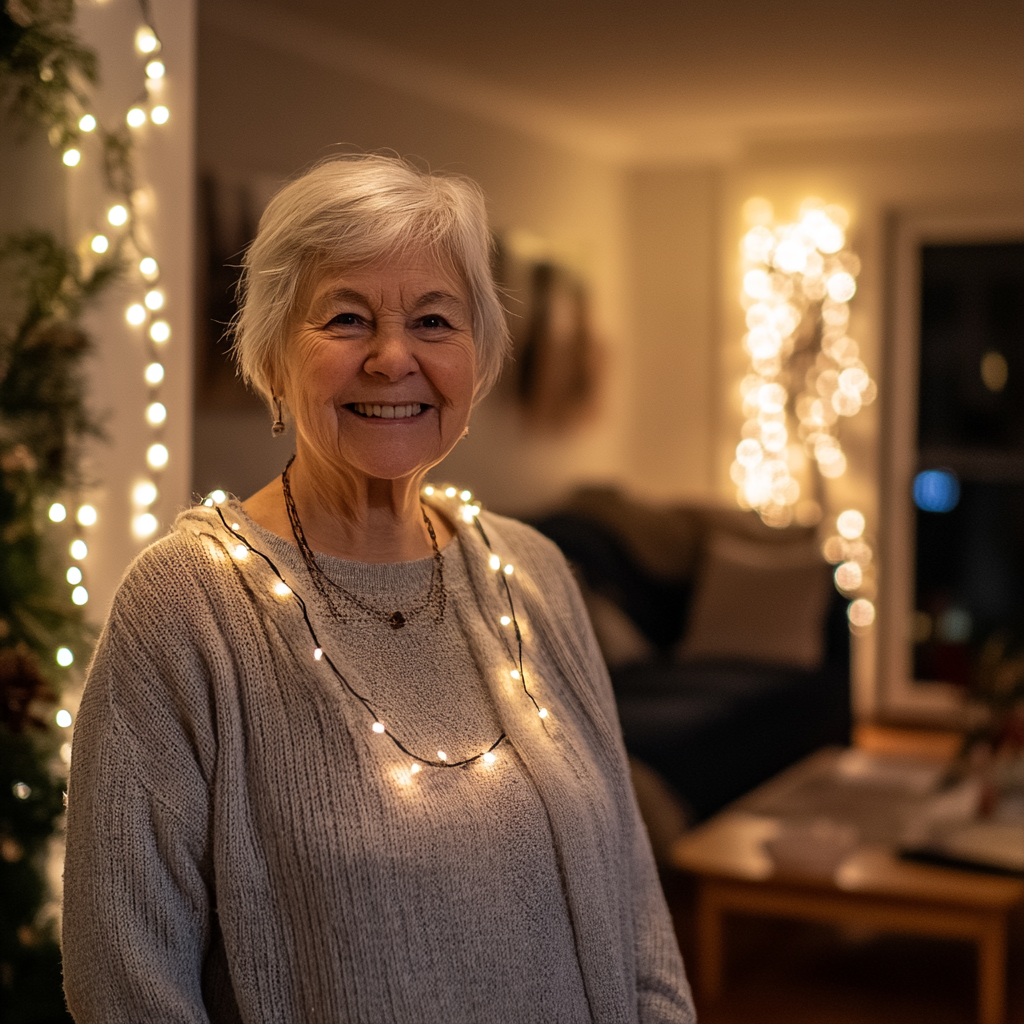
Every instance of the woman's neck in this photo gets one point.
(359, 519)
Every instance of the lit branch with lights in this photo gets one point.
(805, 372)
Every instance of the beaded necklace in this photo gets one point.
(397, 619)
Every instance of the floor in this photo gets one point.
(782, 972)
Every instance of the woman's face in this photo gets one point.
(379, 373)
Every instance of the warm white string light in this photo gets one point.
(468, 511)
(119, 238)
(798, 280)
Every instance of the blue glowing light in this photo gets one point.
(936, 490)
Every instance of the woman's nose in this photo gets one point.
(390, 354)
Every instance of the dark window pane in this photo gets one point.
(970, 556)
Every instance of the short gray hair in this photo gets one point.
(353, 211)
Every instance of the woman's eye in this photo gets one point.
(434, 322)
(345, 320)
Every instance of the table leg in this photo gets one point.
(992, 973)
(709, 942)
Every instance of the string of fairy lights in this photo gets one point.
(798, 281)
(118, 234)
(241, 549)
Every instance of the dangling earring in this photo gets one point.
(277, 428)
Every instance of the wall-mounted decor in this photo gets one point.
(555, 369)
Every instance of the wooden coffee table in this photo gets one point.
(872, 888)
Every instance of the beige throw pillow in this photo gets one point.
(759, 601)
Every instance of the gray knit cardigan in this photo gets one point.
(173, 908)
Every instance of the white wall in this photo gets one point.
(264, 111)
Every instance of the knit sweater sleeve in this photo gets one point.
(137, 890)
(663, 991)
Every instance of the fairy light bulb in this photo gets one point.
(157, 456)
(442, 756)
(135, 314)
(505, 620)
(154, 373)
(414, 768)
(74, 575)
(861, 612)
(63, 718)
(159, 115)
(378, 727)
(86, 515)
(219, 496)
(57, 513)
(156, 413)
(136, 117)
(160, 331)
(144, 492)
(543, 713)
(489, 758)
(80, 596)
(850, 524)
(155, 69)
(154, 299)
(87, 123)
(242, 553)
(515, 674)
(509, 570)
(117, 215)
(79, 549)
(282, 589)
(318, 653)
(466, 495)
(428, 490)
(494, 562)
(99, 244)
(64, 657)
(146, 40)
(71, 157)
(148, 267)
(144, 525)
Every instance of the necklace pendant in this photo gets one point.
(397, 621)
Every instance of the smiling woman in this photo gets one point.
(348, 749)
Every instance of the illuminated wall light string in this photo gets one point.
(805, 371)
(116, 238)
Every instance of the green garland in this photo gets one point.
(44, 75)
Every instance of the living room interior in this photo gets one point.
(632, 158)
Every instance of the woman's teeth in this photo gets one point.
(388, 412)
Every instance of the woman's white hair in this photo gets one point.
(353, 211)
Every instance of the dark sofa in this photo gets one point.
(713, 726)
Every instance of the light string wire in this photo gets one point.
(364, 701)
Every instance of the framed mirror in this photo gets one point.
(952, 557)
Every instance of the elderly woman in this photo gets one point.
(348, 751)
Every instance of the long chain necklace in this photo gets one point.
(396, 620)
(283, 591)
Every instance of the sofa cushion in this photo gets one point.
(759, 602)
